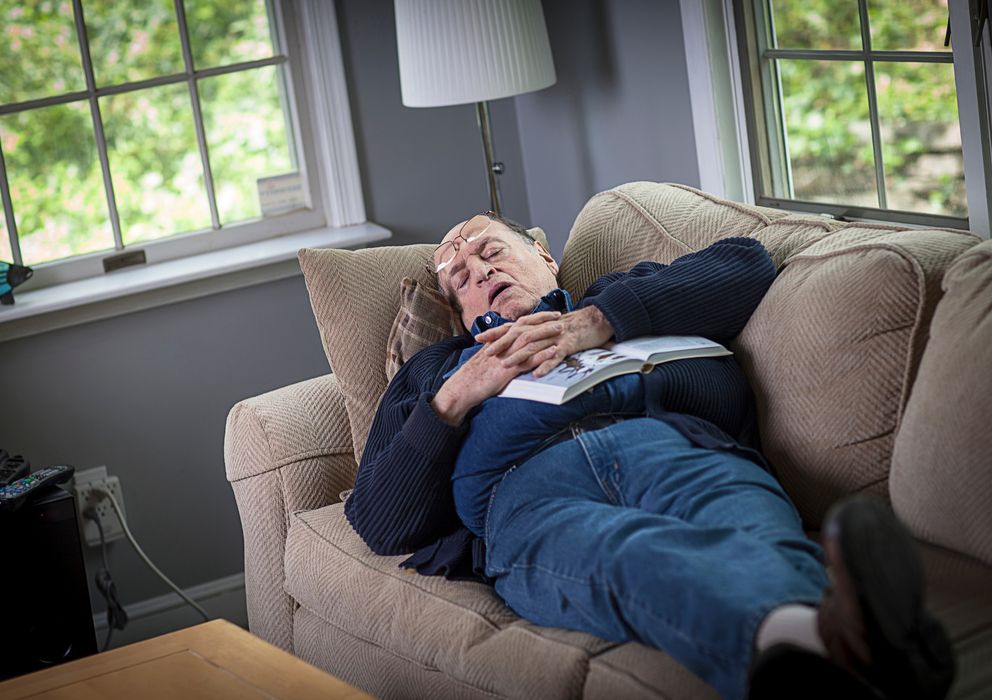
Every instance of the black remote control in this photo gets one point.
(12, 468)
(13, 495)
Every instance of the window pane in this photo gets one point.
(247, 137)
(155, 163)
(55, 182)
(132, 39)
(828, 131)
(223, 32)
(816, 24)
(40, 54)
(921, 138)
(908, 25)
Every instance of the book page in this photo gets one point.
(574, 368)
(643, 348)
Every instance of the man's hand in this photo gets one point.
(514, 343)
(485, 374)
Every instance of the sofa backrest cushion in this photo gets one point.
(831, 351)
(941, 480)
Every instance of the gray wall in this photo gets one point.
(619, 111)
(422, 169)
(147, 393)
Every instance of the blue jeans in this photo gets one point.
(631, 533)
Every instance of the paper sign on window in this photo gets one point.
(281, 194)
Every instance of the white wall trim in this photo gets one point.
(717, 98)
(697, 59)
(334, 134)
(221, 598)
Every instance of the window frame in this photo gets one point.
(319, 113)
(716, 35)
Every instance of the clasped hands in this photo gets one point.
(535, 342)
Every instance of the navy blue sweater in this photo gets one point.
(402, 500)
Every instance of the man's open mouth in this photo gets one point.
(496, 290)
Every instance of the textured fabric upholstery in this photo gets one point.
(285, 450)
(355, 295)
(831, 351)
(328, 570)
(942, 463)
(425, 317)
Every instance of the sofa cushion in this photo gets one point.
(832, 350)
(355, 295)
(941, 480)
(650, 221)
(425, 317)
(462, 629)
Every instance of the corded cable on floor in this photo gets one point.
(116, 615)
(141, 553)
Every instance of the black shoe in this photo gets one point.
(872, 618)
(786, 672)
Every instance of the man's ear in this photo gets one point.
(546, 257)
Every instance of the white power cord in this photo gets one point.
(141, 552)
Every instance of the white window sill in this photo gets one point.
(137, 288)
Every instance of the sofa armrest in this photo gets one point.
(284, 451)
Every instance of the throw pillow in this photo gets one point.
(425, 317)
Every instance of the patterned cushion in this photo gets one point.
(425, 317)
(941, 478)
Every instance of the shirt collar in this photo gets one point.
(555, 300)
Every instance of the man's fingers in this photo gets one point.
(528, 320)
(516, 342)
(550, 363)
(528, 350)
(493, 333)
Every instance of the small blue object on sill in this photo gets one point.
(12, 275)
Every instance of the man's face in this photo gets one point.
(497, 269)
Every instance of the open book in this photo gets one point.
(586, 369)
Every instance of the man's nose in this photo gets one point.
(481, 269)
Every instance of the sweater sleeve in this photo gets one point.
(711, 292)
(402, 496)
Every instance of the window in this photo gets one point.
(853, 105)
(150, 124)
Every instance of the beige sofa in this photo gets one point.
(871, 360)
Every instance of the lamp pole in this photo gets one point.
(493, 170)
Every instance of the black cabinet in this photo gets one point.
(46, 614)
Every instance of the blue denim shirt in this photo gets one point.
(555, 300)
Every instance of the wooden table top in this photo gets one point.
(214, 660)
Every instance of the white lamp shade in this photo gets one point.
(459, 51)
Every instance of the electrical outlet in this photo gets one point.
(88, 486)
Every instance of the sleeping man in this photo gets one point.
(641, 510)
